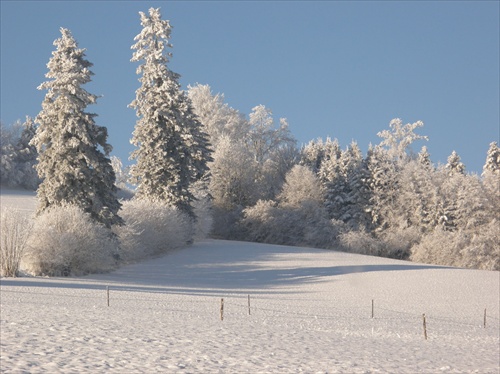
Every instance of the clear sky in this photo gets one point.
(332, 68)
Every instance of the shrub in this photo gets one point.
(360, 242)
(479, 250)
(397, 242)
(66, 241)
(304, 225)
(15, 230)
(151, 229)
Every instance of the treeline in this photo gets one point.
(390, 202)
(203, 167)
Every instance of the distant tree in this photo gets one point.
(311, 155)
(9, 137)
(329, 165)
(383, 184)
(424, 158)
(358, 193)
(491, 171)
(172, 150)
(17, 156)
(73, 151)
(301, 185)
(264, 136)
(297, 218)
(26, 157)
(217, 117)
(273, 148)
(233, 171)
(399, 138)
(454, 165)
(121, 172)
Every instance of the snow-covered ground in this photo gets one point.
(310, 312)
(17, 198)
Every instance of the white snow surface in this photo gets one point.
(310, 312)
(20, 199)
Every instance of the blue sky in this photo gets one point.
(332, 68)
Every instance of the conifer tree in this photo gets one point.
(491, 179)
(424, 157)
(172, 150)
(26, 156)
(73, 151)
(454, 165)
(491, 169)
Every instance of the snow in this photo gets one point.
(310, 311)
(20, 199)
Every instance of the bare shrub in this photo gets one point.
(14, 233)
(151, 229)
(66, 241)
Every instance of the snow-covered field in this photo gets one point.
(310, 312)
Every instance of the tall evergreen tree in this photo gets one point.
(172, 150)
(73, 151)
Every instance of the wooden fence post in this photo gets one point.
(425, 326)
(107, 294)
(248, 304)
(484, 322)
(222, 309)
(372, 309)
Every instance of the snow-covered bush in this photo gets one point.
(151, 229)
(299, 218)
(461, 249)
(66, 241)
(305, 225)
(360, 242)
(15, 229)
(397, 243)
(483, 252)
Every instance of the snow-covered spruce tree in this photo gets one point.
(172, 150)
(454, 165)
(73, 151)
(424, 158)
(311, 155)
(491, 172)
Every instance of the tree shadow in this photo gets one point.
(214, 266)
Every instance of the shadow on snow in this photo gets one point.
(212, 266)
